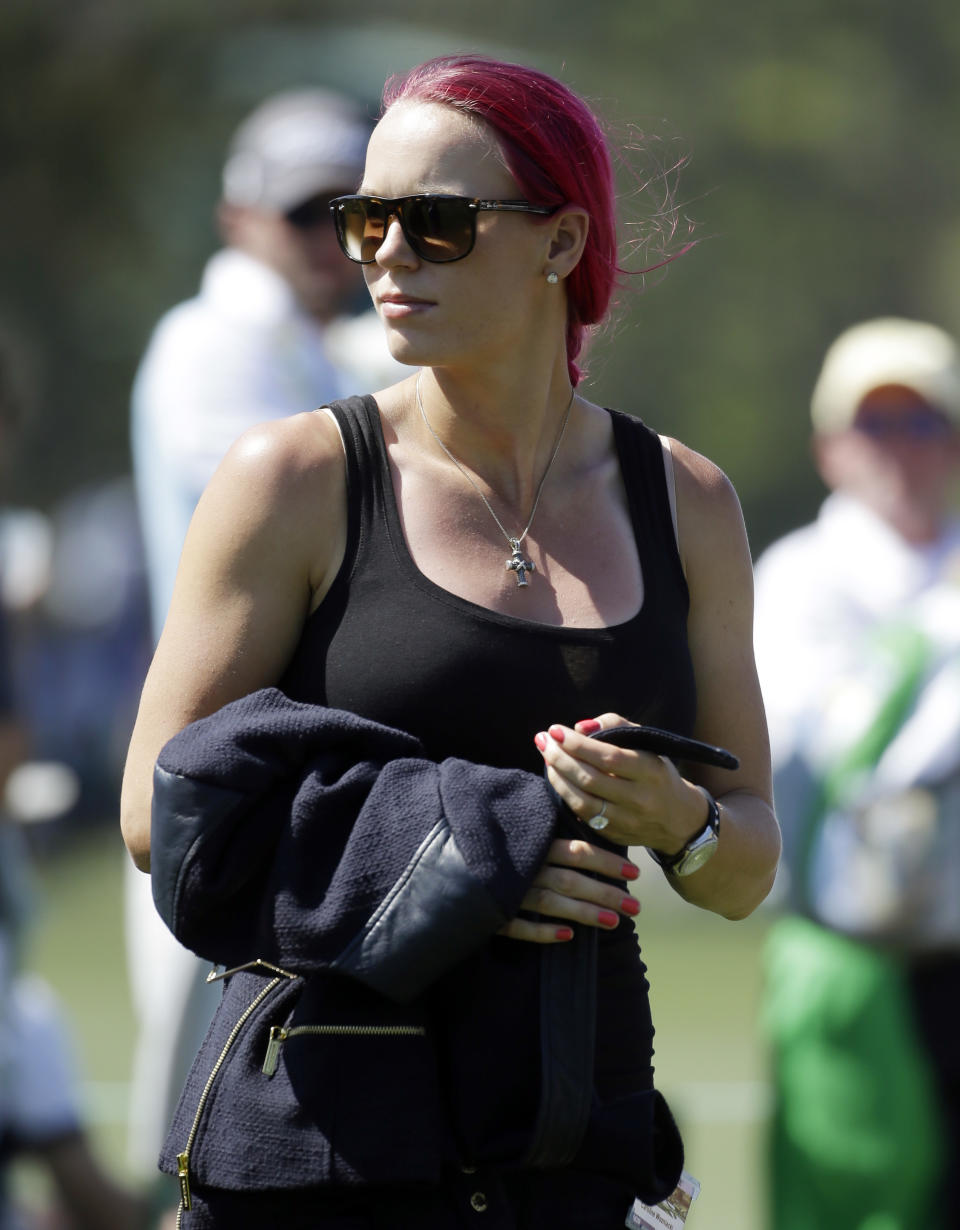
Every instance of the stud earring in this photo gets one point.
(553, 277)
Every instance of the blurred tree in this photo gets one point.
(823, 182)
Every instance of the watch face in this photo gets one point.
(698, 853)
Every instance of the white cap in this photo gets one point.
(294, 146)
(887, 351)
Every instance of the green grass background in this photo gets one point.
(705, 981)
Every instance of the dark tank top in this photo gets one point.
(391, 645)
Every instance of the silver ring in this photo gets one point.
(600, 820)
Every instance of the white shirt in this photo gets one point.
(820, 590)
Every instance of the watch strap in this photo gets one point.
(669, 861)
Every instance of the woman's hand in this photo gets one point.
(564, 893)
(642, 796)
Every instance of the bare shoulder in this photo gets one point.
(281, 481)
(284, 460)
(709, 517)
(699, 480)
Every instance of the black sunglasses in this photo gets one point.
(438, 228)
(912, 423)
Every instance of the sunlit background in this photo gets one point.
(821, 180)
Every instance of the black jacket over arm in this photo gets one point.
(375, 881)
(318, 840)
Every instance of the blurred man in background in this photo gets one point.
(273, 332)
(858, 647)
(274, 329)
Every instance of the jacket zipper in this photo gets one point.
(279, 1034)
(183, 1159)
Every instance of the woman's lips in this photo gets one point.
(396, 307)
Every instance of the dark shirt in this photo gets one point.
(390, 645)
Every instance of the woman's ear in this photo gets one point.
(568, 236)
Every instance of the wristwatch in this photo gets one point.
(699, 849)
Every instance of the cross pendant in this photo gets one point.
(516, 563)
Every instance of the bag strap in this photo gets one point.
(840, 783)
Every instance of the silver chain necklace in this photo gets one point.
(516, 563)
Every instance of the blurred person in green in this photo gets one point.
(858, 649)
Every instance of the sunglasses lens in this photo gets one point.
(360, 228)
(439, 229)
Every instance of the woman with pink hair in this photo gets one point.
(552, 603)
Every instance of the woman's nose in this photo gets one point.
(395, 250)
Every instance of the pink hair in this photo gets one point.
(553, 146)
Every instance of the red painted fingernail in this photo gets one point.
(541, 742)
(630, 872)
(607, 918)
(564, 933)
(589, 726)
(630, 905)
(556, 732)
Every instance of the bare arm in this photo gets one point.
(648, 802)
(263, 547)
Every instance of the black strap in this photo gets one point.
(568, 1007)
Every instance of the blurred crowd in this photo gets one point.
(74, 642)
(73, 587)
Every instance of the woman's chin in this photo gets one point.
(408, 350)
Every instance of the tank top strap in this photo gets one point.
(358, 419)
(644, 475)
